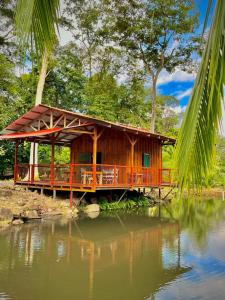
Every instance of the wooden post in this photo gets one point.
(33, 163)
(71, 185)
(15, 161)
(94, 158)
(114, 177)
(52, 175)
(132, 164)
(132, 142)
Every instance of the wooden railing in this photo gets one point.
(91, 176)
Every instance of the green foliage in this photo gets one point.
(62, 154)
(217, 174)
(195, 150)
(156, 34)
(8, 91)
(127, 204)
(84, 20)
(65, 83)
(149, 29)
(107, 99)
(167, 157)
(167, 119)
(101, 94)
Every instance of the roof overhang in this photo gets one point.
(23, 135)
(43, 122)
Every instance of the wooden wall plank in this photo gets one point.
(116, 148)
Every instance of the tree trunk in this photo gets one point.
(41, 81)
(38, 100)
(153, 118)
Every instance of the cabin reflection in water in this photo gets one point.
(117, 257)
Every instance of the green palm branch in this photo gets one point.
(195, 148)
(36, 24)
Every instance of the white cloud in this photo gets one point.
(181, 94)
(177, 76)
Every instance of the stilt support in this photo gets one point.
(164, 198)
(54, 194)
(71, 199)
(82, 197)
(42, 191)
(160, 194)
(122, 196)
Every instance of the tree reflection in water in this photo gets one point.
(197, 216)
(119, 256)
(124, 255)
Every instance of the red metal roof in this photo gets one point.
(22, 125)
(19, 135)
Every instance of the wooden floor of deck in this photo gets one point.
(66, 187)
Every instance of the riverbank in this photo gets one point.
(18, 205)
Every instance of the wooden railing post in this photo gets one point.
(33, 164)
(94, 160)
(71, 185)
(52, 171)
(159, 177)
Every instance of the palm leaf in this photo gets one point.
(36, 24)
(195, 148)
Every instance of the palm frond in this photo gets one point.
(36, 24)
(194, 153)
(206, 17)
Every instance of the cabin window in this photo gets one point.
(85, 158)
(146, 160)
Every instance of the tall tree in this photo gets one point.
(82, 18)
(167, 115)
(158, 34)
(36, 22)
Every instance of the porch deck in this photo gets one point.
(90, 177)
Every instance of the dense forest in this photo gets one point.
(104, 71)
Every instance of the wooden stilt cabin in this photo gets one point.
(103, 155)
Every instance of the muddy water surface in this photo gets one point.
(175, 252)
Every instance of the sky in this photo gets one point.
(179, 83)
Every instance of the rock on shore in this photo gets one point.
(18, 205)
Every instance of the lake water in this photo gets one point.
(172, 252)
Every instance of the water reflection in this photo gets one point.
(151, 254)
